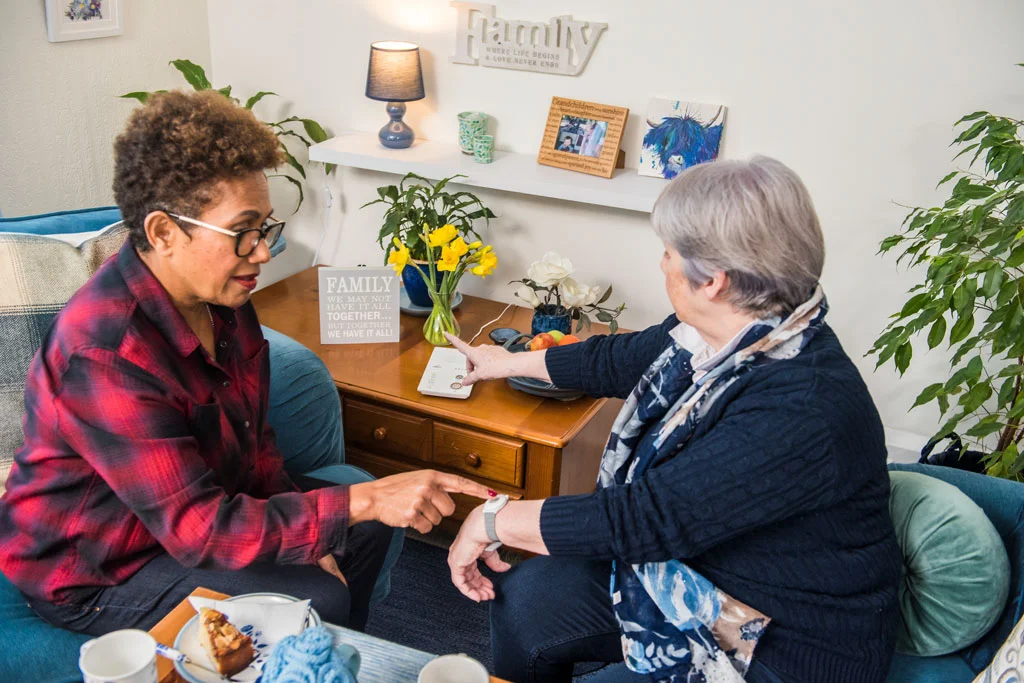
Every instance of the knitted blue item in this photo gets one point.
(307, 658)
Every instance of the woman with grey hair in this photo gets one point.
(740, 529)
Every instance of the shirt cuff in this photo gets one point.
(332, 515)
(563, 366)
(576, 526)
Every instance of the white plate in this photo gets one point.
(188, 642)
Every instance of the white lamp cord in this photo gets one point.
(485, 325)
(328, 201)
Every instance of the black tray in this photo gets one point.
(531, 385)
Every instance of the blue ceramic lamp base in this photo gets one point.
(396, 134)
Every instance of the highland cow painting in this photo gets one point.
(679, 135)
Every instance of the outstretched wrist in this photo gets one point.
(361, 503)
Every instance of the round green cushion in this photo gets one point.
(956, 575)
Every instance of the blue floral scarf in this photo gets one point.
(675, 624)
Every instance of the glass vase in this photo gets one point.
(440, 320)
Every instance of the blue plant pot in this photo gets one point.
(416, 288)
(547, 319)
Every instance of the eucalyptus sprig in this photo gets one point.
(972, 296)
(196, 77)
(416, 202)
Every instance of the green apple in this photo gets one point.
(556, 335)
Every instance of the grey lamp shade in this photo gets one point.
(394, 74)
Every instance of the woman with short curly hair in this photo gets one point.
(149, 468)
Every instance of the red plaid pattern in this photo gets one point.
(137, 442)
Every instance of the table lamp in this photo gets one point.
(394, 76)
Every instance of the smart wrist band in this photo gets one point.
(491, 509)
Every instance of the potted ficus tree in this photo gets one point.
(414, 203)
(971, 250)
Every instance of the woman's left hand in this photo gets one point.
(469, 547)
(330, 565)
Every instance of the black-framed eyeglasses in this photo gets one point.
(246, 241)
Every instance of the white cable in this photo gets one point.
(328, 201)
(490, 323)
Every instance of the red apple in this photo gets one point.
(542, 341)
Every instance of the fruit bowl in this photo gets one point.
(531, 385)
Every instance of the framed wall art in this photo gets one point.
(583, 136)
(678, 135)
(81, 19)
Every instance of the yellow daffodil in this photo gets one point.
(475, 245)
(488, 261)
(442, 236)
(459, 246)
(449, 259)
(399, 257)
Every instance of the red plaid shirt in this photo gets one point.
(138, 442)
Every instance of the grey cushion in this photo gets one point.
(38, 275)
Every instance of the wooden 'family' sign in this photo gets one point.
(358, 305)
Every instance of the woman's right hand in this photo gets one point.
(494, 362)
(411, 499)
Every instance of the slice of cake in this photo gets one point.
(229, 650)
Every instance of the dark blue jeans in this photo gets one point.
(553, 612)
(153, 591)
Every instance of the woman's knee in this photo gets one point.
(331, 599)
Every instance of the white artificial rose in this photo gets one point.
(528, 296)
(550, 270)
(593, 294)
(573, 293)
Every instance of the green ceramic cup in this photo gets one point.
(483, 149)
(471, 124)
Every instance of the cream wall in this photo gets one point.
(859, 98)
(59, 111)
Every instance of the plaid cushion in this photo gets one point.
(37, 277)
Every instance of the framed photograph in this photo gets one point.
(583, 136)
(678, 135)
(81, 19)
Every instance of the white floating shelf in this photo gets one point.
(509, 171)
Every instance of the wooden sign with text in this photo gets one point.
(358, 305)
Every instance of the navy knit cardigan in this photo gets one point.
(780, 499)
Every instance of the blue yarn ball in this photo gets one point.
(307, 658)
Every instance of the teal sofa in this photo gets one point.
(305, 412)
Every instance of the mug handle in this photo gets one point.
(350, 655)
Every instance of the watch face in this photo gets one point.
(496, 503)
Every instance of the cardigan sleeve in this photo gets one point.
(608, 365)
(764, 461)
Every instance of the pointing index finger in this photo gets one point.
(460, 345)
(456, 484)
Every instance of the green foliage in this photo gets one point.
(195, 76)
(416, 201)
(972, 297)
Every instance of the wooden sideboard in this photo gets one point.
(525, 446)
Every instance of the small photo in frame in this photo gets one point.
(583, 136)
(82, 19)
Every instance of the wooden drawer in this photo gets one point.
(479, 454)
(381, 430)
(380, 466)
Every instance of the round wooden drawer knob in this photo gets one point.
(380, 433)
(473, 460)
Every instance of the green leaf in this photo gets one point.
(977, 395)
(329, 168)
(141, 96)
(993, 279)
(937, 332)
(293, 162)
(193, 73)
(961, 328)
(604, 297)
(983, 429)
(975, 115)
(1015, 210)
(294, 182)
(930, 393)
(972, 132)
(314, 130)
(225, 91)
(903, 355)
(914, 304)
(251, 102)
(1005, 396)
(949, 176)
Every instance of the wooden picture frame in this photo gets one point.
(583, 136)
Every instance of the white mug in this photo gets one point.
(127, 656)
(454, 669)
